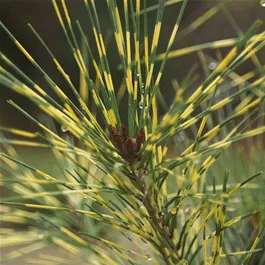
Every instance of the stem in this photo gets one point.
(155, 220)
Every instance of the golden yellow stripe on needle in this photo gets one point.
(45, 175)
(165, 120)
(25, 214)
(58, 143)
(205, 17)
(58, 13)
(83, 88)
(64, 120)
(243, 103)
(128, 46)
(149, 147)
(192, 155)
(112, 117)
(10, 163)
(26, 91)
(213, 85)
(253, 52)
(122, 255)
(253, 247)
(23, 133)
(254, 132)
(220, 104)
(119, 23)
(65, 245)
(188, 123)
(25, 250)
(49, 207)
(155, 137)
(45, 106)
(174, 119)
(27, 143)
(154, 44)
(109, 260)
(212, 132)
(146, 57)
(53, 258)
(135, 95)
(194, 95)
(227, 60)
(94, 95)
(230, 134)
(245, 109)
(18, 238)
(237, 79)
(43, 181)
(83, 69)
(40, 262)
(20, 189)
(240, 253)
(65, 192)
(111, 82)
(194, 177)
(39, 89)
(61, 93)
(202, 125)
(78, 59)
(97, 42)
(249, 50)
(156, 35)
(210, 45)
(60, 69)
(106, 114)
(119, 45)
(24, 51)
(108, 80)
(98, 73)
(259, 81)
(165, 150)
(223, 143)
(155, 114)
(187, 111)
(13, 219)
(233, 221)
(129, 81)
(159, 153)
(207, 161)
(93, 123)
(185, 152)
(109, 242)
(73, 236)
(158, 79)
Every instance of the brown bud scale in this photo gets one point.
(127, 147)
